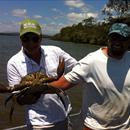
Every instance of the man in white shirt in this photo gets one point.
(106, 77)
(49, 112)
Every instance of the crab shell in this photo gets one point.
(39, 78)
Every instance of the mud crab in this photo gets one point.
(32, 86)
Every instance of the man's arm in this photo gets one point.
(61, 83)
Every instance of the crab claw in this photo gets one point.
(61, 67)
(20, 86)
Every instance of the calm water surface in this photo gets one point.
(10, 45)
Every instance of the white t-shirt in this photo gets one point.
(49, 108)
(106, 93)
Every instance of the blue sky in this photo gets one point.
(51, 14)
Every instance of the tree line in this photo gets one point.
(89, 31)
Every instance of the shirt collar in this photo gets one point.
(26, 59)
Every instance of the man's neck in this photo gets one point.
(108, 54)
(35, 57)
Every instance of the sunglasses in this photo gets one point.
(28, 38)
(116, 37)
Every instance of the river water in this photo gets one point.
(10, 45)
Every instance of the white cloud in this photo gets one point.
(58, 12)
(74, 3)
(85, 11)
(55, 10)
(37, 16)
(75, 16)
(9, 27)
(92, 15)
(78, 17)
(52, 28)
(19, 12)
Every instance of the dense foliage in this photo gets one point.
(120, 7)
(88, 32)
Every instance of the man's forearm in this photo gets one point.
(62, 83)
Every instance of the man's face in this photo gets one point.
(117, 45)
(31, 42)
